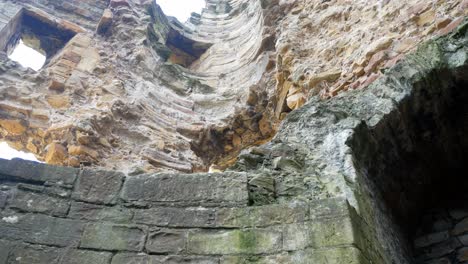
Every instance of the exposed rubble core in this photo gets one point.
(126, 88)
(370, 176)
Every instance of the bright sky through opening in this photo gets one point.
(181, 9)
(28, 57)
(8, 153)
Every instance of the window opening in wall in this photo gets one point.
(181, 9)
(6, 152)
(27, 56)
(33, 39)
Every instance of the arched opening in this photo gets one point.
(415, 161)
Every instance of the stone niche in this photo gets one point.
(415, 161)
(185, 51)
(38, 31)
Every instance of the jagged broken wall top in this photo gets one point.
(129, 98)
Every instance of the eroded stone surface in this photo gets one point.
(150, 94)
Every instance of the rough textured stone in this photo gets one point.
(176, 217)
(364, 164)
(26, 254)
(113, 237)
(228, 189)
(98, 186)
(19, 170)
(254, 241)
(41, 229)
(32, 202)
(95, 212)
(261, 216)
(166, 241)
(84, 256)
(5, 248)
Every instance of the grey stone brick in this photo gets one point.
(30, 171)
(166, 241)
(100, 187)
(86, 211)
(247, 241)
(176, 217)
(41, 229)
(73, 256)
(40, 203)
(194, 189)
(261, 216)
(113, 237)
(431, 239)
(3, 199)
(29, 254)
(5, 248)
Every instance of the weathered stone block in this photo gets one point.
(96, 212)
(41, 229)
(251, 241)
(131, 258)
(193, 189)
(5, 248)
(319, 233)
(282, 258)
(74, 256)
(28, 254)
(3, 199)
(113, 237)
(463, 239)
(261, 216)
(431, 239)
(461, 227)
(329, 208)
(340, 255)
(176, 217)
(100, 187)
(462, 254)
(105, 22)
(166, 241)
(30, 171)
(39, 203)
(184, 259)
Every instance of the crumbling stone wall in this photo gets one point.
(136, 91)
(316, 193)
(309, 196)
(65, 215)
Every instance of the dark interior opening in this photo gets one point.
(417, 160)
(37, 32)
(185, 51)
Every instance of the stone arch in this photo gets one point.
(413, 162)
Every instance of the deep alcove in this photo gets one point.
(416, 160)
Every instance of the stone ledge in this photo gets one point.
(19, 170)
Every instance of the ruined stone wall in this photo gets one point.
(321, 191)
(136, 91)
(65, 215)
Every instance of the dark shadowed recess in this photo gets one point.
(417, 159)
(185, 51)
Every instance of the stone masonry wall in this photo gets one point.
(66, 215)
